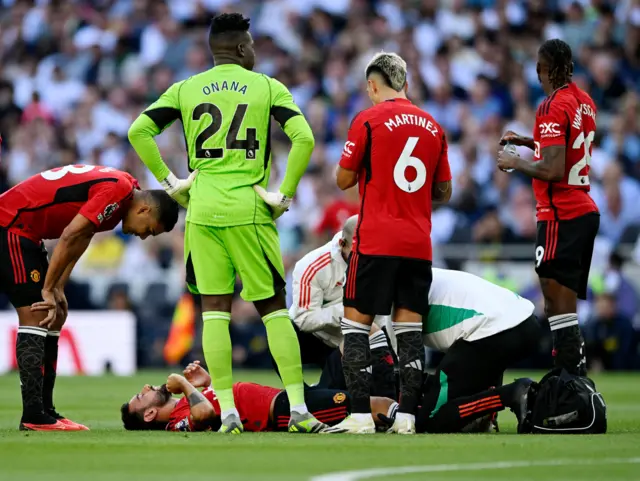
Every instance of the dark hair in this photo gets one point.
(167, 208)
(135, 422)
(558, 54)
(229, 22)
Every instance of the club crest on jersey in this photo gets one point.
(109, 210)
(550, 129)
(339, 398)
(35, 276)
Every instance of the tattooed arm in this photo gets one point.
(201, 409)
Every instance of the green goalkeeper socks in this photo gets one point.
(285, 349)
(216, 345)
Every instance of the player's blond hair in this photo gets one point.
(391, 66)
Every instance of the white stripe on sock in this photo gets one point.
(377, 340)
(351, 327)
(53, 333)
(402, 327)
(393, 409)
(564, 325)
(563, 321)
(37, 331)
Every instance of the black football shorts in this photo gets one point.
(376, 283)
(330, 406)
(23, 267)
(564, 249)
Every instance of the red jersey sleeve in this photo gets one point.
(105, 200)
(180, 418)
(443, 170)
(553, 123)
(353, 151)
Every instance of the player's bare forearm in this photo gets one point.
(345, 179)
(512, 137)
(528, 142)
(199, 406)
(72, 244)
(441, 192)
(66, 275)
(549, 169)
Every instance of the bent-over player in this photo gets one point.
(70, 203)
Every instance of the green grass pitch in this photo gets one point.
(108, 452)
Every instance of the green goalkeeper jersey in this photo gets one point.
(226, 116)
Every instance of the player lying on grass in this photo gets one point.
(70, 203)
(318, 280)
(261, 408)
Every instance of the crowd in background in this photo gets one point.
(74, 74)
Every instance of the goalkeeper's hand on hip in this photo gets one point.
(178, 189)
(277, 201)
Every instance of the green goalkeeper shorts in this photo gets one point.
(215, 255)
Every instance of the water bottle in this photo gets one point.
(510, 149)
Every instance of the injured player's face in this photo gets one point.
(150, 396)
(151, 406)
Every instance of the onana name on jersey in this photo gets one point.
(217, 87)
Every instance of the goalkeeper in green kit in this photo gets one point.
(226, 115)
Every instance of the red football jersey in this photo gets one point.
(399, 151)
(253, 402)
(567, 117)
(43, 205)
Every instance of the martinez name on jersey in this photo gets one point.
(411, 119)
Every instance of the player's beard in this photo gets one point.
(163, 395)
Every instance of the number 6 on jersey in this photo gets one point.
(407, 160)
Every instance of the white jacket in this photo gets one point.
(318, 279)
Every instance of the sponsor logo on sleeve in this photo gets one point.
(348, 145)
(550, 130)
(108, 211)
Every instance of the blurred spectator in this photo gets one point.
(610, 338)
(615, 281)
(75, 74)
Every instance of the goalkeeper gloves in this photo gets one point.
(278, 202)
(178, 189)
